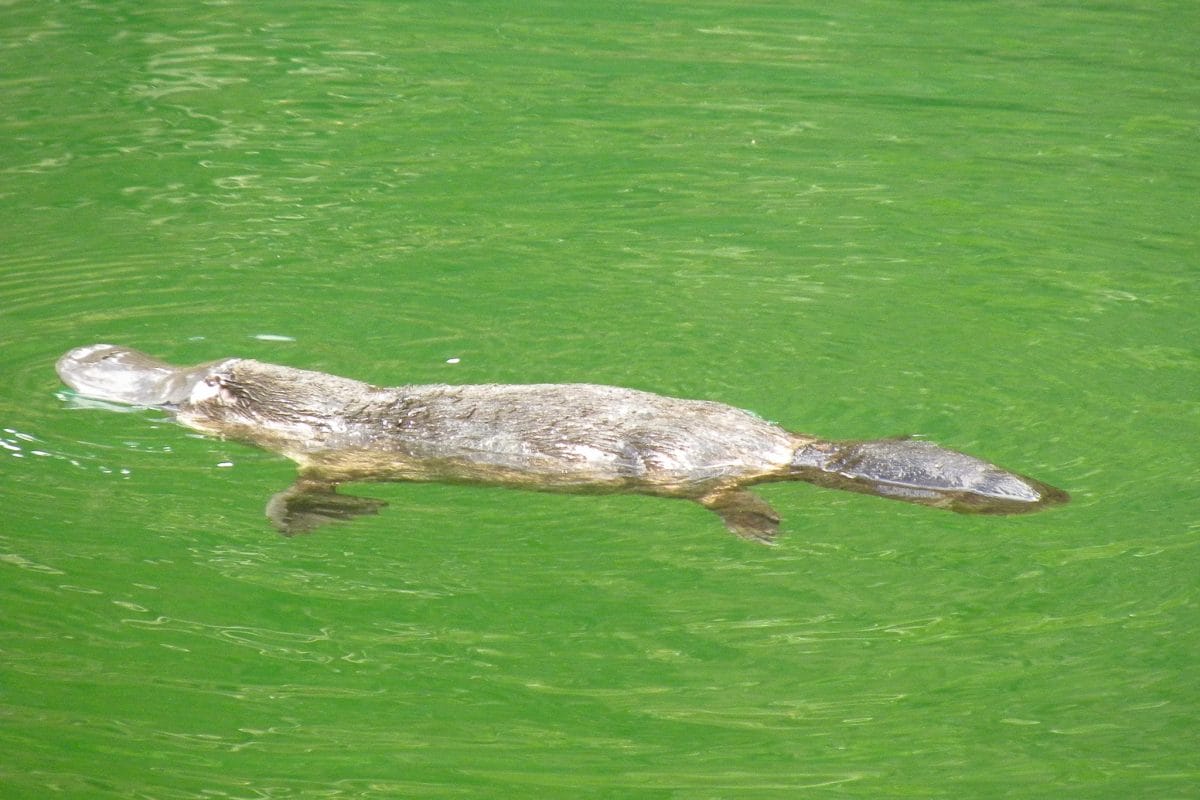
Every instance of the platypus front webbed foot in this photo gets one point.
(307, 505)
(922, 472)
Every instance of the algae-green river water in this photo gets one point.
(974, 222)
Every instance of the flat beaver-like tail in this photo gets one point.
(921, 472)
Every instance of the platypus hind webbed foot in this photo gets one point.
(744, 513)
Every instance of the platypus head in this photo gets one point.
(123, 375)
(291, 411)
(281, 408)
(242, 391)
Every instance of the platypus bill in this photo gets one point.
(551, 437)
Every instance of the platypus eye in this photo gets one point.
(222, 389)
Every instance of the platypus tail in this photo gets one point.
(921, 472)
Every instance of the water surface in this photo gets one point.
(972, 222)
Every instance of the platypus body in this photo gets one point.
(550, 437)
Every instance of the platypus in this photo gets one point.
(572, 437)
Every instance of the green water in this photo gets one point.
(972, 221)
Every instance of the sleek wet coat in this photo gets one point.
(556, 437)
